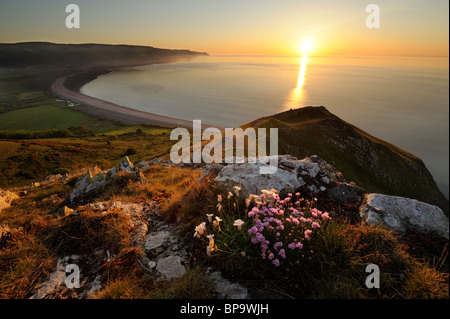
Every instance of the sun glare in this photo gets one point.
(306, 47)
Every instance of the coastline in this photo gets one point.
(68, 87)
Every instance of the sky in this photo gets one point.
(238, 27)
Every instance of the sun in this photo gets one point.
(306, 47)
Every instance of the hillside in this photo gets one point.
(370, 162)
(79, 55)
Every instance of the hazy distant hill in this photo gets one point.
(76, 55)
(368, 161)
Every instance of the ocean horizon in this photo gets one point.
(402, 100)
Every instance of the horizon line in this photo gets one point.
(238, 55)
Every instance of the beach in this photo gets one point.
(68, 87)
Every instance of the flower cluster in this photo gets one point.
(281, 226)
(214, 221)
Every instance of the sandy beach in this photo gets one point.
(68, 87)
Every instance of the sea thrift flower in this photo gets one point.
(315, 225)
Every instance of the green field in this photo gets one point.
(42, 118)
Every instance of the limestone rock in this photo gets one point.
(112, 172)
(401, 214)
(227, 290)
(85, 184)
(171, 267)
(126, 165)
(347, 193)
(155, 240)
(142, 165)
(248, 177)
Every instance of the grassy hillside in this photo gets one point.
(43, 53)
(370, 162)
(25, 161)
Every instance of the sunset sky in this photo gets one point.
(239, 27)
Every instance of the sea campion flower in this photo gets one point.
(216, 221)
(238, 223)
(200, 230)
(210, 216)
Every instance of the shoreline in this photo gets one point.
(68, 87)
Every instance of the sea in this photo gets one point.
(402, 100)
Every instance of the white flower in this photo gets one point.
(200, 230)
(210, 216)
(217, 221)
(230, 194)
(219, 198)
(211, 243)
(236, 190)
(238, 223)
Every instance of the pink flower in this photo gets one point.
(307, 233)
(315, 225)
(276, 262)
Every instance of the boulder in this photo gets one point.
(347, 193)
(126, 165)
(112, 172)
(248, 177)
(85, 184)
(401, 214)
(313, 173)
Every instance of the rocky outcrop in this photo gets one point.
(6, 197)
(86, 184)
(401, 214)
(312, 173)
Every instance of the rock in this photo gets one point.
(6, 197)
(112, 172)
(248, 177)
(347, 193)
(227, 290)
(142, 165)
(85, 184)
(56, 279)
(210, 169)
(140, 177)
(66, 211)
(155, 240)
(136, 222)
(401, 214)
(126, 165)
(171, 267)
(154, 161)
(98, 181)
